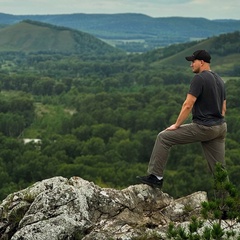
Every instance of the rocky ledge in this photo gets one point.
(60, 208)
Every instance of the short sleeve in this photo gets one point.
(196, 86)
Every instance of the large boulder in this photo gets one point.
(60, 208)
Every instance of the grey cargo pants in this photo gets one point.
(212, 140)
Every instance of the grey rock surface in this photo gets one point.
(60, 208)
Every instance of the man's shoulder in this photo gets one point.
(209, 74)
(206, 73)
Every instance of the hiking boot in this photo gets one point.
(151, 180)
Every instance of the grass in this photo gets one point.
(49, 119)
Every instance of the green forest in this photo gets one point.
(97, 117)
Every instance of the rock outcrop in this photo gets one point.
(60, 208)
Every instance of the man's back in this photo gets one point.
(209, 90)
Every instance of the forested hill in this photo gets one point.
(224, 49)
(122, 29)
(31, 36)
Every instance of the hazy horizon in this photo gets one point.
(152, 8)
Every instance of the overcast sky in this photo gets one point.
(211, 9)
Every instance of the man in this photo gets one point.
(206, 100)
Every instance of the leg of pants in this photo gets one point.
(212, 139)
(214, 151)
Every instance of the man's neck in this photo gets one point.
(205, 67)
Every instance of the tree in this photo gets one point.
(11, 125)
(45, 86)
(104, 131)
(93, 146)
(225, 206)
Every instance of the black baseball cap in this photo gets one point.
(200, 55)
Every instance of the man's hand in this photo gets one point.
(173, 127)
(185, 111)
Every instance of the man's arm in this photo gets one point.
(224, 108)
(185, 111)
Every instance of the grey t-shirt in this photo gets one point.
(210, 92)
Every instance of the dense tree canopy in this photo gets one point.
(98, 119)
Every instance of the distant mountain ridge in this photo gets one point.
(119, 28)
(31, 36)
